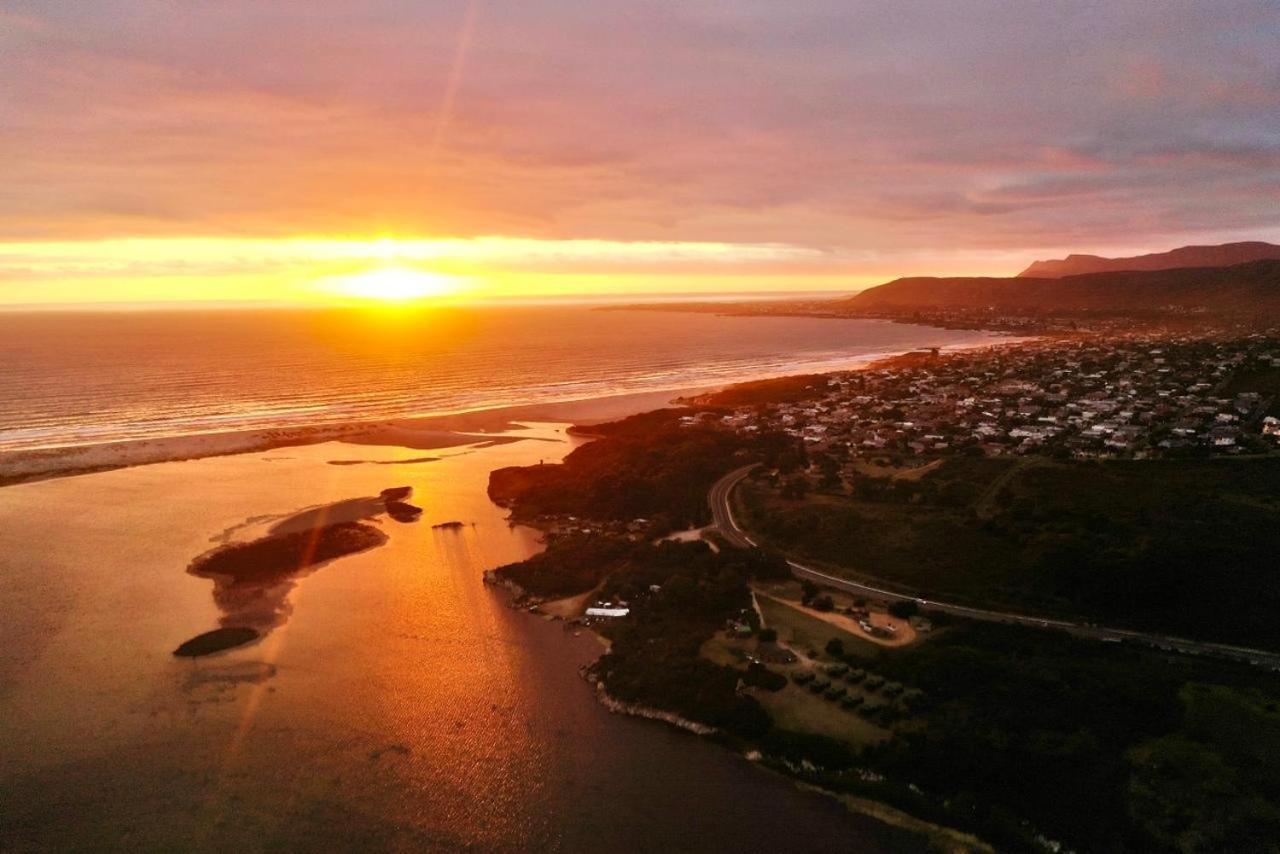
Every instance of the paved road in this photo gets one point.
(722, 512)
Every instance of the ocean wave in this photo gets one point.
(263, 374)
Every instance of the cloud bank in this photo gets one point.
(888, 132)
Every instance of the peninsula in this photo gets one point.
(821, 624)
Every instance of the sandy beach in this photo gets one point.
(431, 432)
(427, 433)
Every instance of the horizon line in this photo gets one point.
(427, 303)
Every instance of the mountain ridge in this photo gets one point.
(1250, 288)
(1184, 257)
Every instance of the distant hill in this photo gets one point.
(1252, 288)
(1225, 255)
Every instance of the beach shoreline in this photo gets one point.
(431, 432)
(428, 432)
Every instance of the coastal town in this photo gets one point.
(1140, 396)
(1082, 397)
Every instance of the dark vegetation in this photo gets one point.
(759, 676)
(570, 565)
(679, 594)
(626, 569)
(251, 581)
(771, 391)
(1186, 546)
(1020, 735)
(1103, 747)
(402, 511)
(1016, 734)
(216, 641)
(1264, 381)
(287, 555)
(648, 466)
(1011, 733)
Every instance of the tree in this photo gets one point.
(768, 635)
(795, 488)
(763, 564)
(759, 676)
(823, 603)
(828, 469)
(904, 610)
(835, 647)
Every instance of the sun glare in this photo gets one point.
(395, 284)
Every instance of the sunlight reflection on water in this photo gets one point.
(403, 705)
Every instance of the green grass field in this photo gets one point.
(794, 708)
(803, 632)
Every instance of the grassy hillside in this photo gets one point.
(1180, 546)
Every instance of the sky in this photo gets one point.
(155, 150)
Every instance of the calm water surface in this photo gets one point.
(402, 706)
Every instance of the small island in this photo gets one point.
(276, 558)
(393, 500)
(252, 581)
(228, 637)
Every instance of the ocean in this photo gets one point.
(84, 378)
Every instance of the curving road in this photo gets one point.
(724, 521)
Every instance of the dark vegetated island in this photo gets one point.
(402, 511)
(396, 493)
(279, 557)
(252, 581)
(228, 637)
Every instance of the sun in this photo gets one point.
(395, 284)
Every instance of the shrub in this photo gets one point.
(759, 676)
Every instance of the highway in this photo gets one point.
(724, 521)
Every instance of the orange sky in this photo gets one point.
(247, 150)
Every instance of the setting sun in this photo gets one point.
(395, 284)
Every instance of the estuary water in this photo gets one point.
(403, 705)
